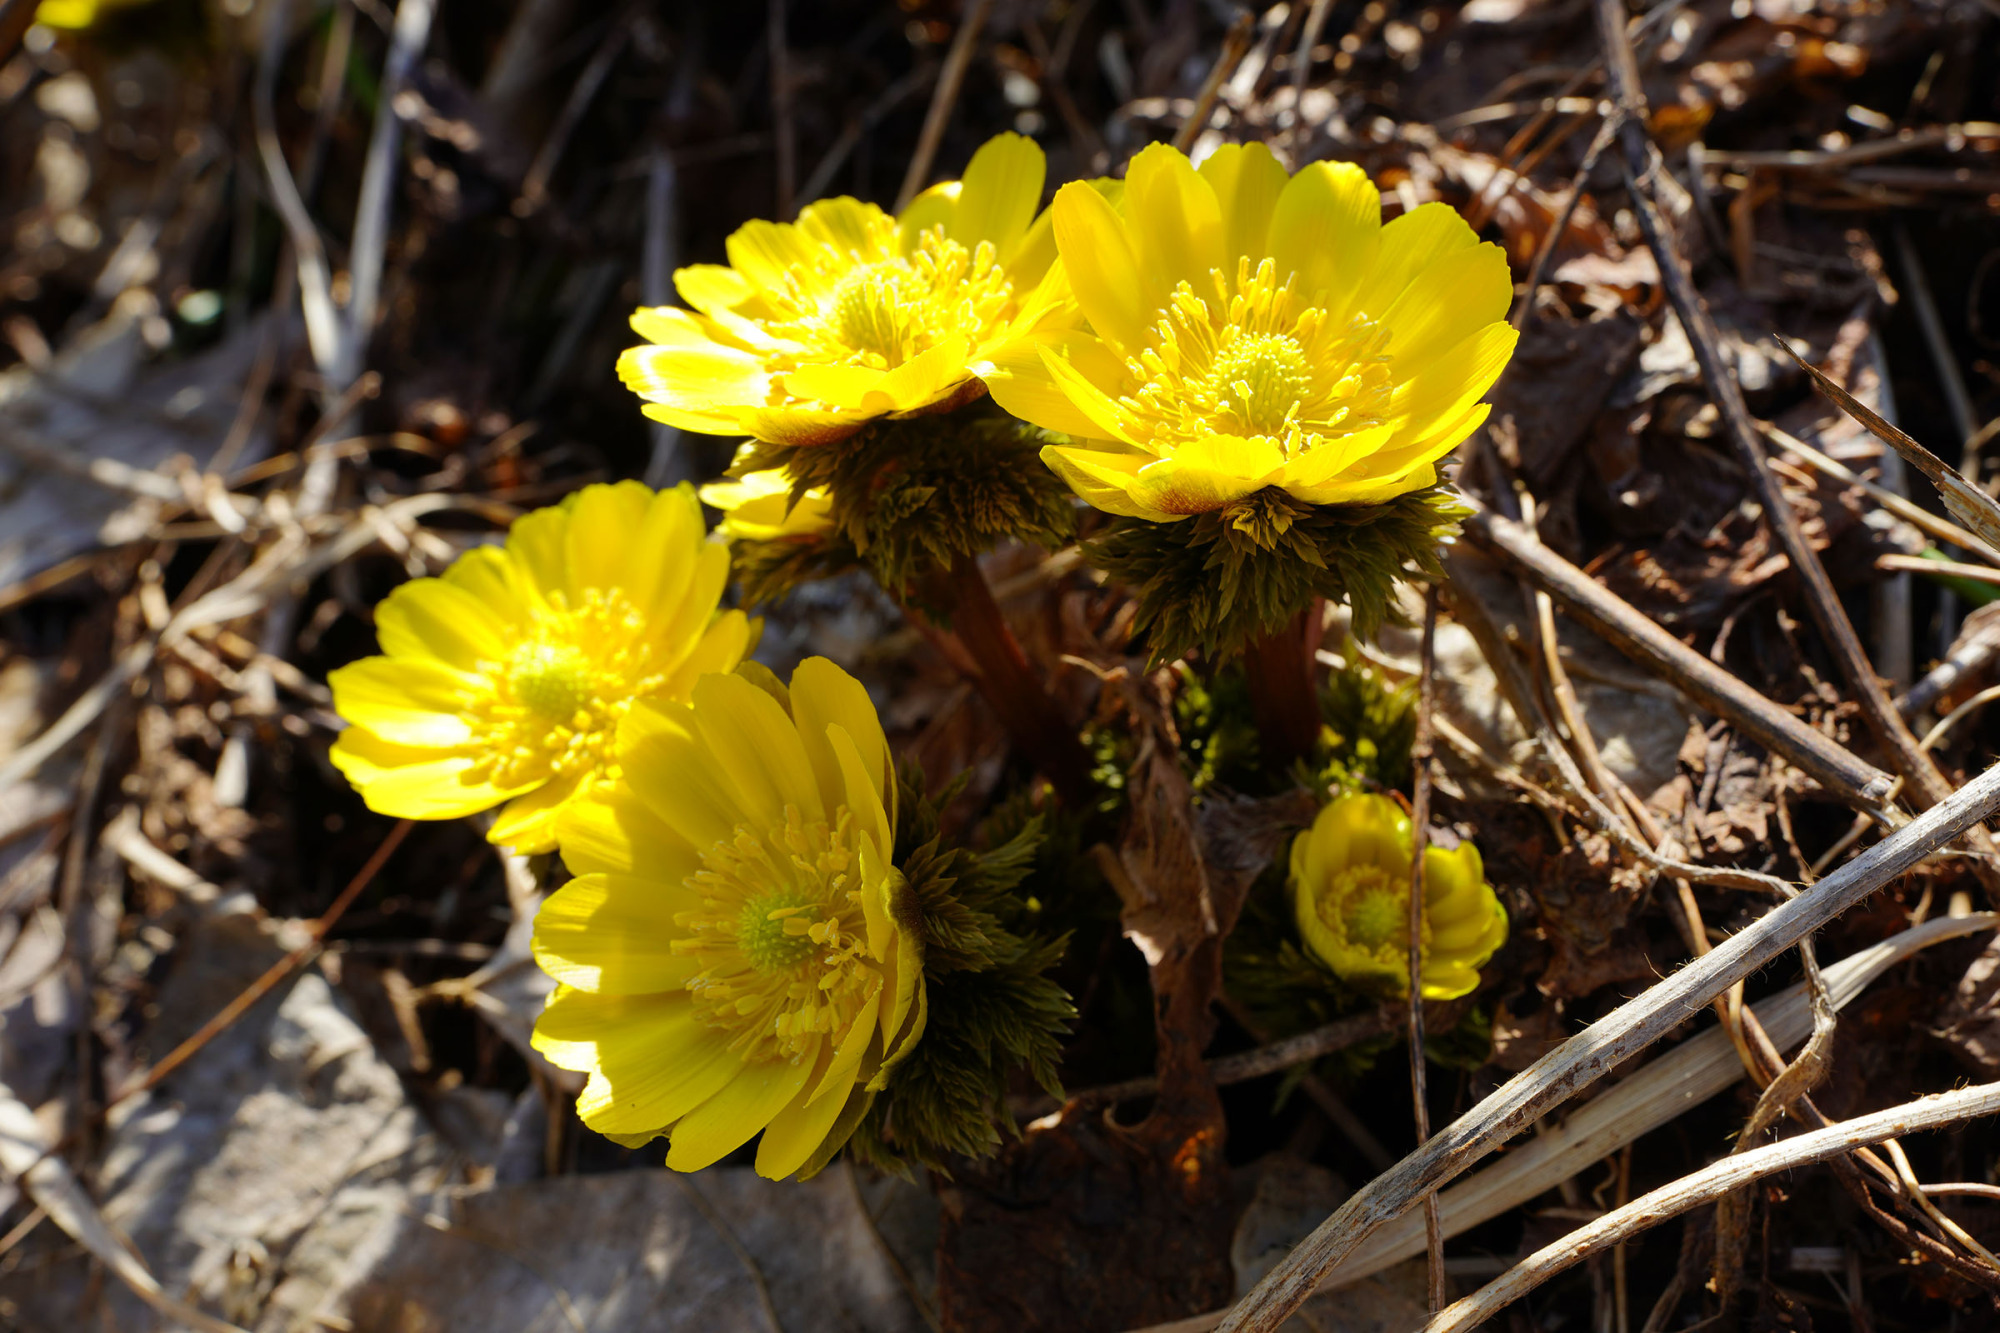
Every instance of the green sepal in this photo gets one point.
(909, 497)
(767, 570)
(992, 1007)
(1214, 582)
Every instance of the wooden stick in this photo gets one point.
(942, 100)
(1625, 628)
(1927, 785)
(1420, 827)
(1587, 1057)
(1708, 1185)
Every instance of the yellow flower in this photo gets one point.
(77, 13)
(758, 506)
(505, 679)
(731, 956)
(1249, 330)
(815, 328)
(1350, 887)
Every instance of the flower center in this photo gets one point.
(1367, 909)
(860, 300)
(1268, 376)
(872, 308)
(552, 679)
(780, 938)
(1256, 360)
(552, 706)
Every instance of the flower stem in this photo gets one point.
(1033, 720)
(1283, 695)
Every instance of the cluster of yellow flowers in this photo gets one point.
(732, 956)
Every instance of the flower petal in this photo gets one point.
(1411, 243)
(614, 934)
(652, 1058)
(603, 520)
(493, 580)
(709, 288)
(797, 1132)
(527, 824)
(414, 784)
(538, 543)
(1113, 421)
(1102, 266)
(824, 696)
(1207, 473)
(756, 750)
(1446, 303)
(1247, 180)
(695, 378)
(613, 830)
(1103, 478)
(732, 1117)
(1002, 189)
(1326, 229)
(414, 701)
(1175, 224)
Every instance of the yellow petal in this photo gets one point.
(1207, 473)
(410, 701)
(1113, 421)
(614, 934)
(694, 378)
(840, 386)
(1455, 379)
(538, 543)
(1326, 229)
(825, 696)
(705, 421)
(1247, 180)
(493, 580)
(672, 327)
(709, 288)
(756, 751)
(933, 208)
(660, 557)
(611, 829)
(730, 1118)
(527, 824)
(847, 227)
(653, 1057)
(797, 1131)
(1103, 478)
(1175, 224)
(603, 521)
(722, 645)
(1102, 266)
(1410, 244)
(1446, 303)
(428, 788)
(926, 378)
(863, 797)
(677, 778)
(1024, 388)
(690, 597)
(772, 255)
(1002, 188)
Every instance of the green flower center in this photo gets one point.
(554, 680)
(1375, 913)
(873, 306)
(1267, 373)
(772, 930)
(780, 940)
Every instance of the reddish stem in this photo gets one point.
(1284, 697)
(1033, 720)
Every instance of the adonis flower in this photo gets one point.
(758, 506)
(732, 956)
(1350, 886)
(817, 327)
(504, 681)
(1250, 330)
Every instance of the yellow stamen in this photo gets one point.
(781, 938)
(1257, 360)
(552, 707)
